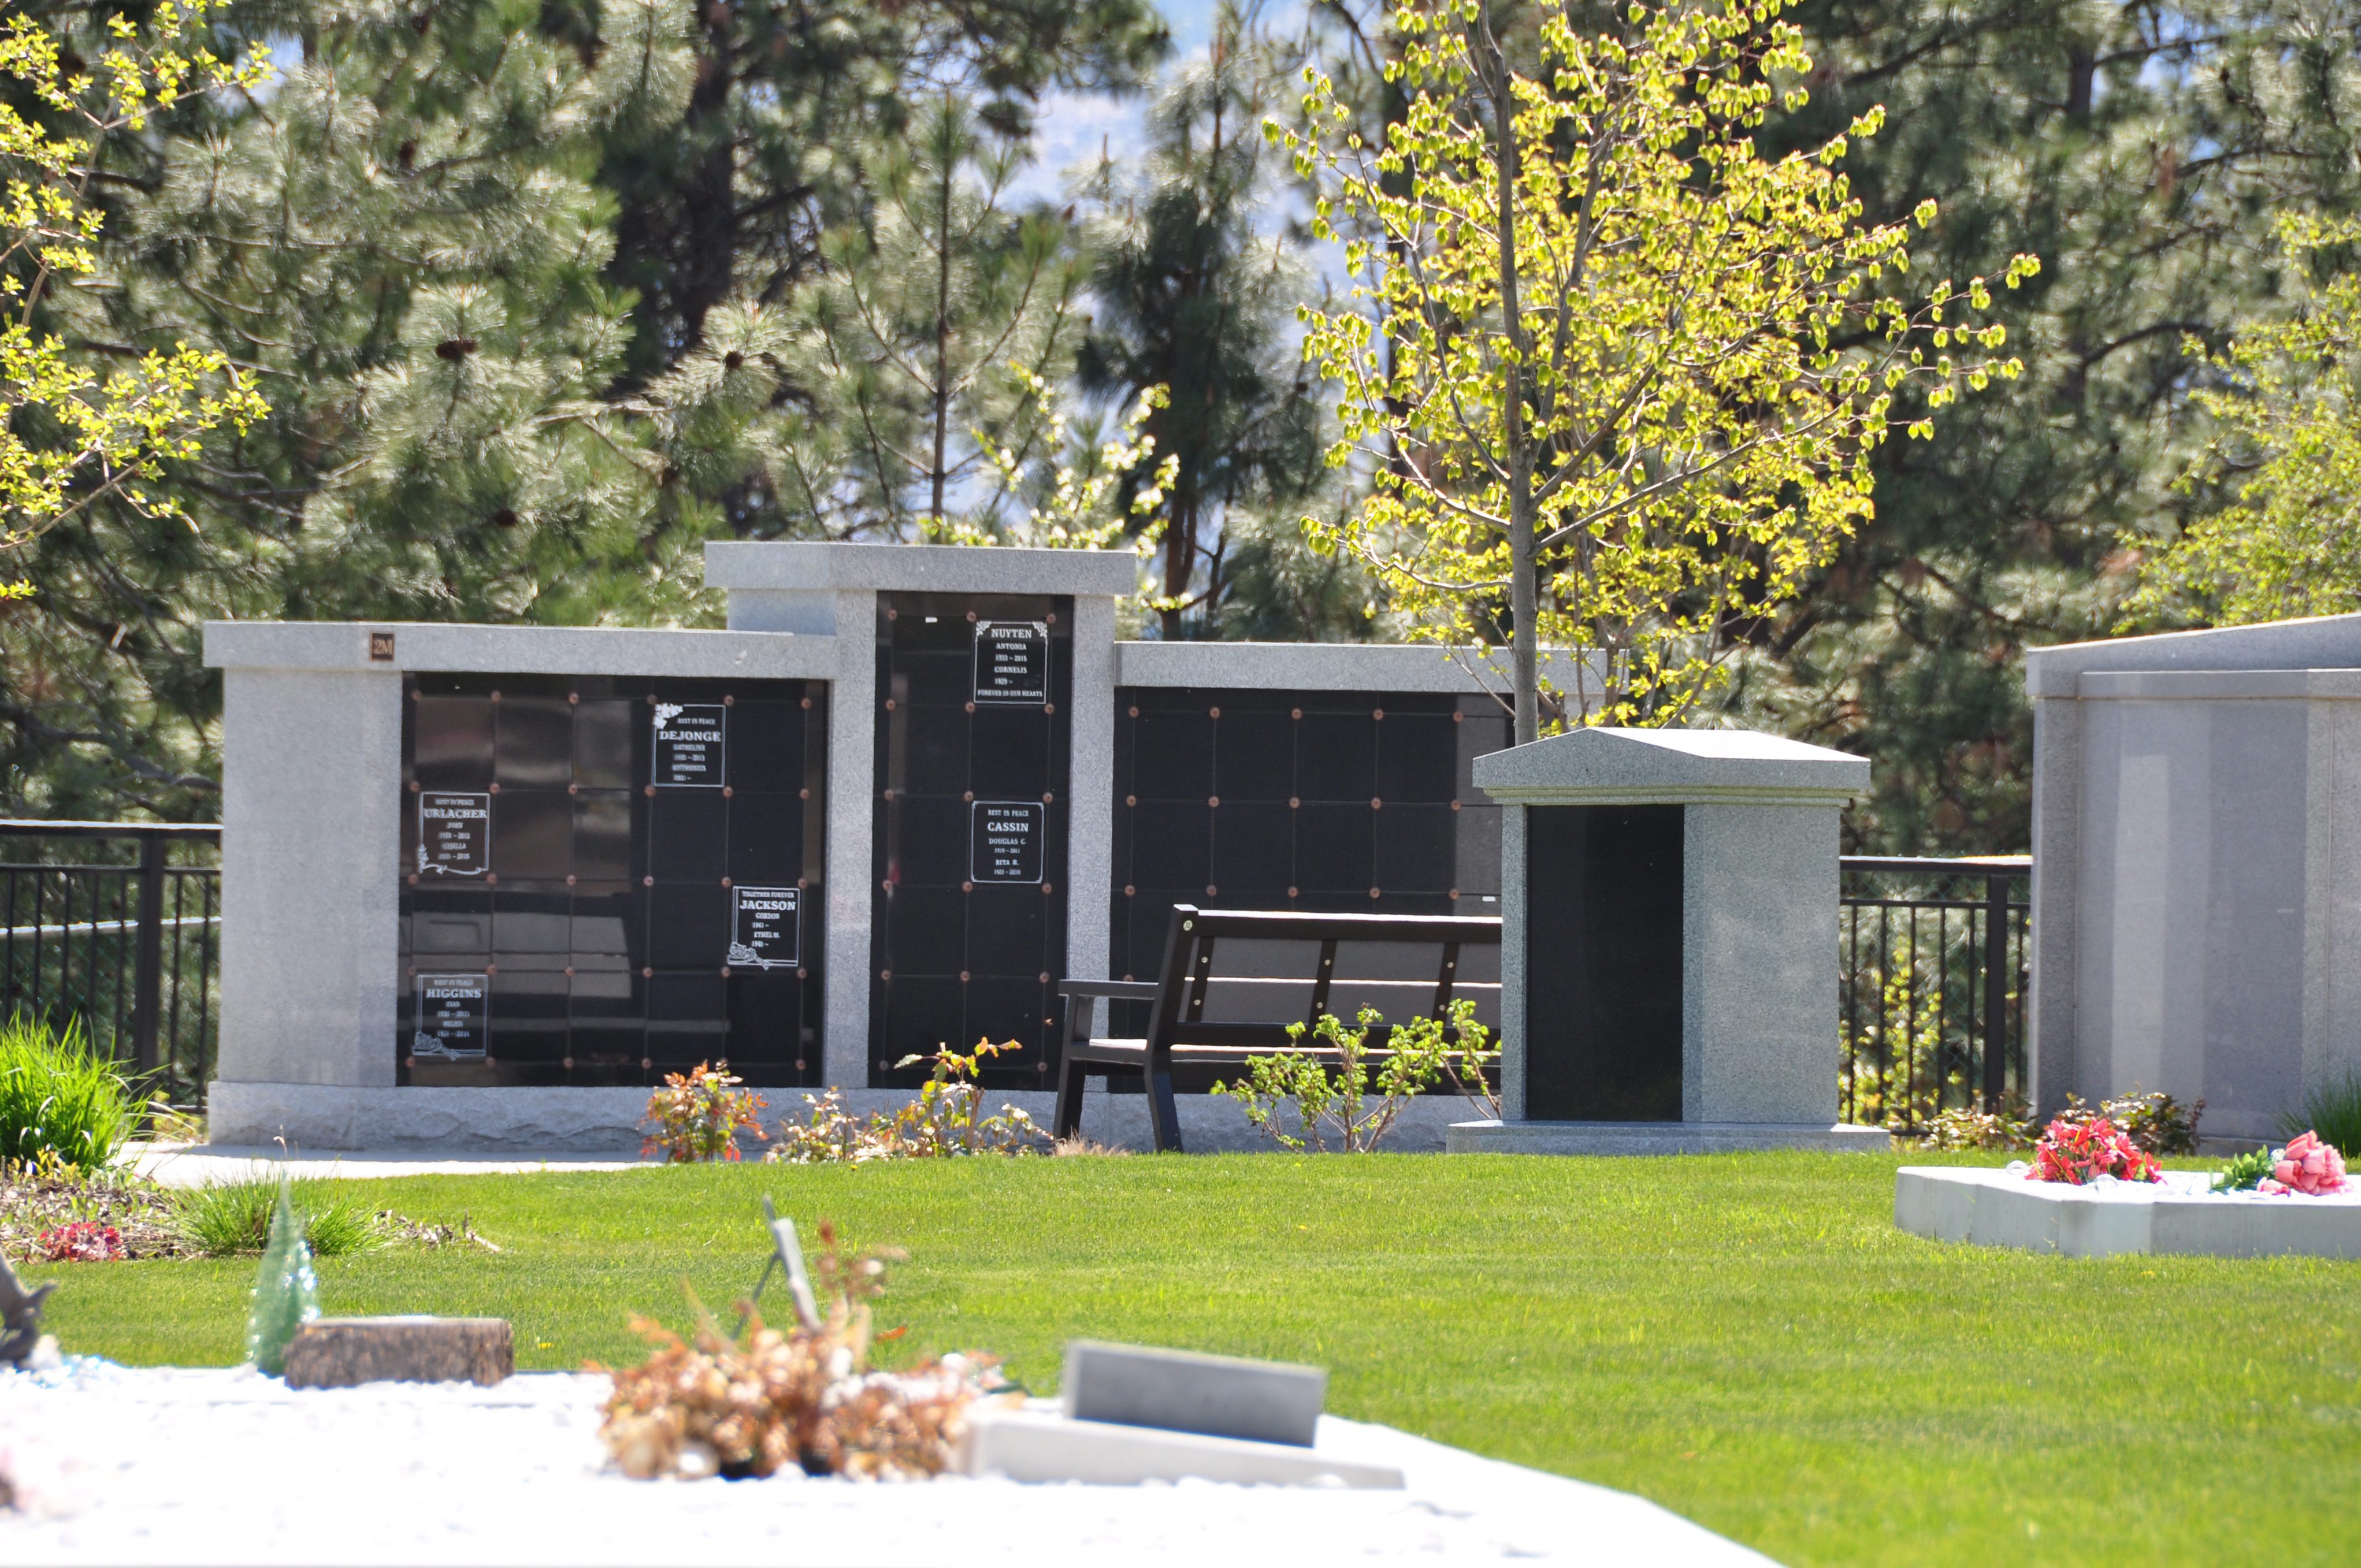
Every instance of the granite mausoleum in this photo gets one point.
(482, 885)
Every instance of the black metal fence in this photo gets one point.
(116, 925)
(1934, 962)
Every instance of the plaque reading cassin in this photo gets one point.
(452, 1010)
(765, 927)
(455, 833)
(1012, 661)
(1005, 840)
(690, 741)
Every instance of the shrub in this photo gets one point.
(1333, 1099)
(942, 1122)
(2010, 1127)
(698, 1117)
(225, 1219)
(83, 1241)
(60, 1095)
(2334, 1111)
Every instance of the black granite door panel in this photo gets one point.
(606, 879)
(1603, 963)
(969, 934)
(1235, 799)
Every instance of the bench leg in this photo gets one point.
(1072, 1077)
(1163, 1114)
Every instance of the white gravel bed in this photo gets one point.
(172, 1465)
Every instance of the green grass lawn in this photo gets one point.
(1746, 1339)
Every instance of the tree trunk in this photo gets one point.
(1517, 447)
(1180, 540)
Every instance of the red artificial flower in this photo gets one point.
(2079, 1153)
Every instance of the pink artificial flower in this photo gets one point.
(2306, 1166)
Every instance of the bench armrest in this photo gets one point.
(1115, 990)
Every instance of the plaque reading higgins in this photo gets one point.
(452, 1010)
(1005, 840)
(765, 927)
(1012, 662)
(455, 833)
(690, 742)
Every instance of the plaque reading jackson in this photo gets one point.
(765, 927)
(455, 833)
(1012, 661)
(1005, 840)
(452, 1009)
(689, 744)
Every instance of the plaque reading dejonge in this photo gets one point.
(1005, 840)
(691, 741)
(1012, 661)
(455, 833)
(451, 1011)
(765, 927)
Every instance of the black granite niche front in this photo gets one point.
(608, 879)
(967, 939)
(1603, 963)
(1312, 800)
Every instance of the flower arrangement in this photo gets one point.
(764, 1401)
(84, 1241)
(2307, 1167)
(2078, 1153)
(699, 1115)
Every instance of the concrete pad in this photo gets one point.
(1039, 1443)
(198, 1165)
(1658, 1137)
(118, 1465)
(2178, 1215)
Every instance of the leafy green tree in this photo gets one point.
(924, 341)
(1195, 283)
(2141, 151)
(71, 435)
(2288, 409)
(1636, 368)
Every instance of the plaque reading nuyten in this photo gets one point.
(1012, 662)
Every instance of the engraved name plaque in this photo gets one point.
(691, 739)
(1012, 661)
(455, 833)
(765, 927)
(452, 1010)
(1005, 840)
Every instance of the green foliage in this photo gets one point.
(286, 1290)
(698, 1114)
(2243, 1171)
(943, 1121)
(230, 1219)
(1333, 1097)
(2289, 447)
(1965, 1127)
(2156, 1123)
(2334, 1111)
(60, 1097)
(1620, 375)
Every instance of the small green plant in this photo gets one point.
(699, 1114)
(2010, 1127)
(2156, 1123)
(2334, 1111)
(1333, 1099)
(60, 1095)
(943, 1121)
(225, 1218)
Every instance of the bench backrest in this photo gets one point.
(1238, 978)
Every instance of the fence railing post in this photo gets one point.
(1996, 977)
(147, 984)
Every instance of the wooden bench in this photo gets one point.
(1233, 980)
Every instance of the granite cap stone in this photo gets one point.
(918, 568)
(1637, 767)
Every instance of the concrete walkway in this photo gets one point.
(196, 1165)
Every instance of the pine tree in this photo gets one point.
(1196, 287)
